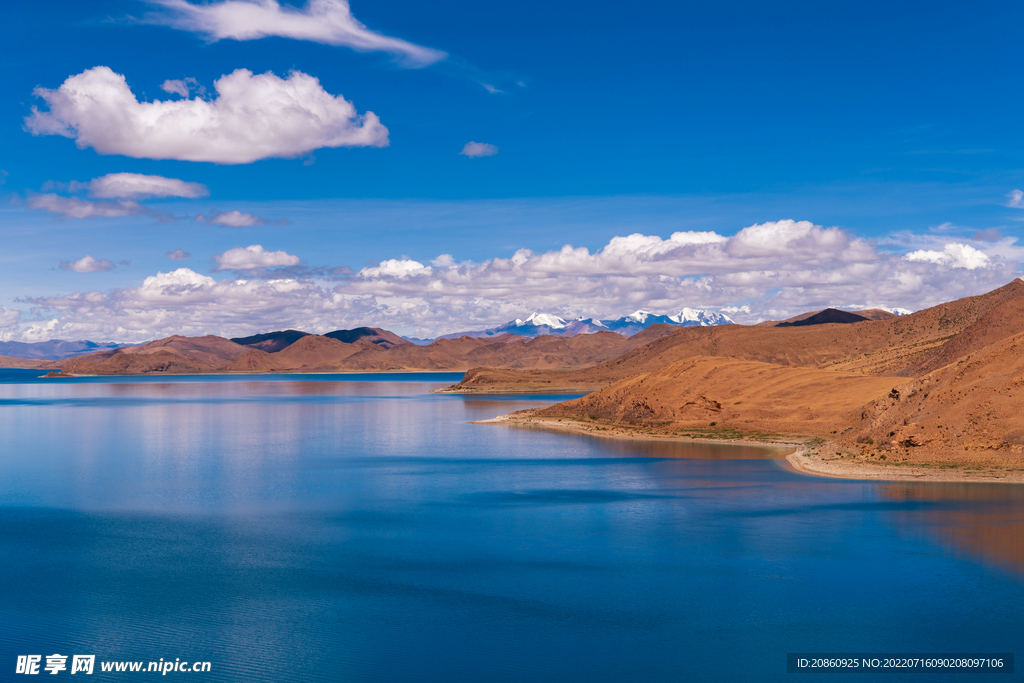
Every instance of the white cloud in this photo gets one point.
(232, 219)
(73, 207)
(178, 255)
(491, 89)
(9, 317)
(955, 255)
(321, 21)
(251, 257)
(254, 117)
(1016, 199)
(87, 264)
(396, 268)
(175, 87)
(139, 186)
(746, 275)
(769, 270)
(478, 149)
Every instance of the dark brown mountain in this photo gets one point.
(375, 335)
(271, 342)
(829, 315)
(867, 314)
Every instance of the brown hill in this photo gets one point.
(897, 346)
(209, 350)
(375, 335)
(160, 361)
(506, 351)
(969, 409)
(271, 342)
(875, 314)
(369, 353)
(27, 363)
(943, 387)
(254, 360)
(733, 393)
(174, 354)
(314, 351)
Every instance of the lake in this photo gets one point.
(357, 528)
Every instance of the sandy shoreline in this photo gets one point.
(510, 390)
(799, 456)
(594, 429)
(810, 463)
(234, 373)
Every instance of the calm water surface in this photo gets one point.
(356, 528)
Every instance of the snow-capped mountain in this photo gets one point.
(538, 324)
(687, 317)
(542, 320)
(698, 317)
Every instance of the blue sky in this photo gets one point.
(881, 146)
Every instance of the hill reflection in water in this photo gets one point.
(982, 521)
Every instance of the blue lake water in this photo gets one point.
(357, 528)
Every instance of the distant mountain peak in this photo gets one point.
(544, 320)
(638, 316)
(537, 324)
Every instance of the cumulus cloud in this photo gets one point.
(87, 264)
(9, 316)
(73, 207)
(253, 117)
(955, 255)
(321, 21)
(1016, 199)
(396, 268)
(139, 186)
(767, 271)
(231, 219)
(178, 255)
(478, 149)
(252, 257)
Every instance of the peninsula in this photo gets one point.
(937, 394)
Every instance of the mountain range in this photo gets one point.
(371, 350)
(54, 349)
(547, 324)
(535, 325)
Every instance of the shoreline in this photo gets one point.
(471, 391)
(800, 457)
(250, 372)
(570, 426)
(835, 468)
